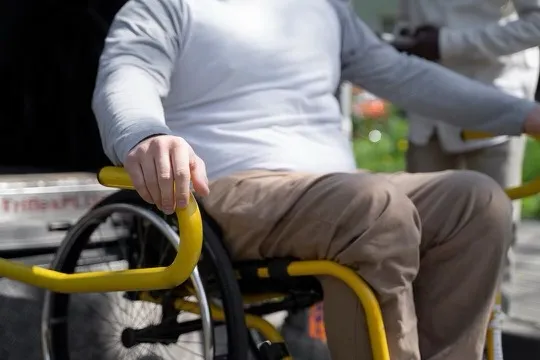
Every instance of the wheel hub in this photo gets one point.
(128, 338)
(155, 334)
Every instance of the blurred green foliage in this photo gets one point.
(388, 153)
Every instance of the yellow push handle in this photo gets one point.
(482, 135)
(519, 192)
(189, 251)
(475, 135)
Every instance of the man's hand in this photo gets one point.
(161, 168)
(424, 43)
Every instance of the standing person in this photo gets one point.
(493, 42)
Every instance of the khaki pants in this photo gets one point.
(430, 245)
(503, 163)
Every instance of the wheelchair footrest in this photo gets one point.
(273, 351)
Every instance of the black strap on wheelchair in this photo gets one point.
(277, 268)
(248, 270)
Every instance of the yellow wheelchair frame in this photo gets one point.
(187, 257)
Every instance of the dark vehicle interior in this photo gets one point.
(49, 51)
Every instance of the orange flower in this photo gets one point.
(375, 109)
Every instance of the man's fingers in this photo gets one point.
(165, 181)
(161, 168)
(150, 178)
(198, 176)
(136, 174)
(181, 174)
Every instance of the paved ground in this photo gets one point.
(20, 308)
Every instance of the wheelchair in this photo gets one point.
(167, 267)
(175, 272)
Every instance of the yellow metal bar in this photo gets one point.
(258, 298)
(490, 347)
(475, 135)
(528, 189)
(190, 227)
(252, 322)
(480, 135)
(375, 324)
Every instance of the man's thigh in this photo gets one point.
(249, 206)
(446, 200)
(335, 216)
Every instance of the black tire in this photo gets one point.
(215, 267)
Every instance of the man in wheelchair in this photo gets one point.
(244, 92)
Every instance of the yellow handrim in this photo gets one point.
(189, 251)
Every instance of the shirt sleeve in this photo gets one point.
(496, 39)
(134, 73)
(423, 87)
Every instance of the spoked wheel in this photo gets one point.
(121, 233)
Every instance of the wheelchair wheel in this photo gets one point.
(139, 325)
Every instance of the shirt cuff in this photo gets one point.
(134, 136)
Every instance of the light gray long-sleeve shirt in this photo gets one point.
(250, 84)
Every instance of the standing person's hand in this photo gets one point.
(162, 167)
(424, 43)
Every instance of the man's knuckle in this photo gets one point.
(182, 195)
(176, 149)
(165, 175)
(181, 173)
(166, 201)
(155, 150)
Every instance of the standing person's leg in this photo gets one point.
(504, 164)
(430, 158)
(466, 230)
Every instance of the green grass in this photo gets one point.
(388, 154)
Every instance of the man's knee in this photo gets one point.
(483, 200)
(484, 192)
